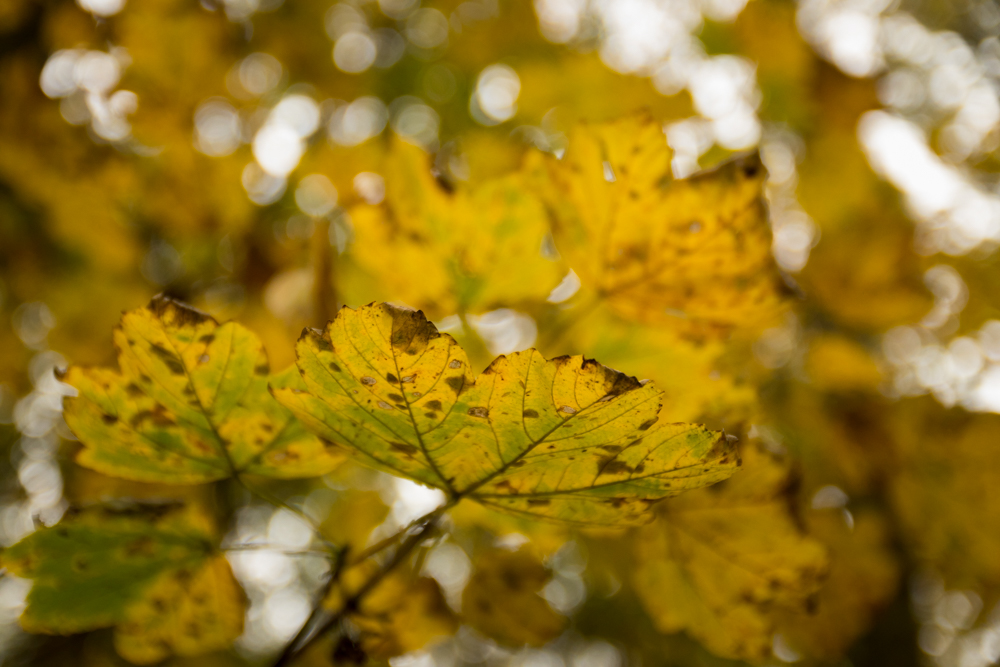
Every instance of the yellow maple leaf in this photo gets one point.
(503, 598)
(565, 439)
(719, 562)
(693, 254)
(190, 405)
(943, 493)
(450, 251)
(864, 574)
(149, 570)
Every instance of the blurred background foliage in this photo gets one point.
(222, 152)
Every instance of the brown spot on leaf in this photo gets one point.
(396, 397)
(531, 414)
(433, 405)
(262, 369)
(391, 378)
(171, 360)
(479, 412)
(176, 313)
(612, 466)
(409, 450)
(368, 381)
(334, 367)
(142, 546)
(134, 390)
(456, 384)
(645, 426)
(109, 419)
(539, 502)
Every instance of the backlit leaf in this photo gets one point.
(503, 599)
(693, 254)
(718, 563)
(190, 404)
(150, 570)
(565, 439)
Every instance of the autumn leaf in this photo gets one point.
(503, 599)
(864, 574)
(691, 254)
(564, 439)
(943, 493)
(401, 612)
(190, 404)
(720, 562)
(450, 251)
(151, 571)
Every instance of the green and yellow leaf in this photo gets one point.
(190, 405)
(449, 251)
(503, 599)
(565, 439)
(151, 571)
(691, 254)
(720, 562)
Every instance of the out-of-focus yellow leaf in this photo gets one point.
(150, 570)
(353, 517)
(565, 439)
(944, 494)
(692, 254)
(449, 251)
(867, 277)
(190, 405)
(837, 363)
(402, 613)
(864, 574)
(719, 562)
(502, 599)
(545, 537)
